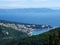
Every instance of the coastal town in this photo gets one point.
(27, 28)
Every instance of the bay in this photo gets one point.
(33, 18)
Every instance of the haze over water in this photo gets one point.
(34, 18)
(49, 18)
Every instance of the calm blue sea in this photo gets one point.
(33, 18)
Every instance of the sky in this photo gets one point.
(29, 3)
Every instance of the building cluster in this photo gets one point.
(27, 28)
(19, 27)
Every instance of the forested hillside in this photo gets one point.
(10, 36)
(48, 38)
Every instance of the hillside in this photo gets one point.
(10, 32)
(49, 38)
(24, 27)
(9, 36)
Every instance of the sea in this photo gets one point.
(52, 19)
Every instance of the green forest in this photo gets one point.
(48, 38)
(15, 37)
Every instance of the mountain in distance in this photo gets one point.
(28, 10)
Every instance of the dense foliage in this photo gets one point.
(9, 35)
(48, 38)
(17, 38)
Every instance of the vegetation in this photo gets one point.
(19, 38)
(10, 37)
(48, 38)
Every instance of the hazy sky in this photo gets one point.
(29, 3)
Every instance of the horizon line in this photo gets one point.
(34, 7)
